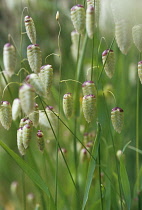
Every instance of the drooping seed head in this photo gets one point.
(16, 108)
(20, 145)
(117, 115)
(89, 107)
(88, 88)
(5, 114)
(30, 29)
(26, 96)
(137, 34)
(90, 21)
(27, 130)
(9, 58)
(108, 62)
(68, 104)
(78, 18)
(34, 57)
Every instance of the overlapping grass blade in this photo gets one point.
(29, 172)
(91, 167)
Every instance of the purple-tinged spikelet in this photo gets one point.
(34, 57)
(88, 88)
(137, 36)
(9, 58)
(34, 80)
(40, 140)
(30, 29)
(20, 145)
(26, 96)
(5, 114)
(140, 70)
(68, 104)
(46, 76)
(117, 115)
(90, 21)
(78, 18)
(16, 108)
(34, 116)
(89, 107)
(108, 62)
(27, 130)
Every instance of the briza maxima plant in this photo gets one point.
(68, 104)
(117, 118)
(27, 131)
(16, 108)
(78, 18)
(26, 96)
(9, 58)
(88, 88)
(90, 21)
(137, 36)
(20, 145)
(30, 29)
(34, 57)
(5, 114)
(108, 62)
(89, 107)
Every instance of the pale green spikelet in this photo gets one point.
(34, 57)
(117, 115)
(26, 96)
(88, 88)
(34, 116)
(74, 46)
(40, 140)
(140, 70)
(5, 114)
(30, 29)
(43, 121)
(53, 116)
(90, 21)
(34, 80)
(9, 58)
(46, 76)
(137, 36)
(27, 131)
(20, 145)
(68, 104)
(89, 107)
(90, 3)
(108, 62)
(16, 108)
(78, 18)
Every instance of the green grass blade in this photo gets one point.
(125, 184)
(29, 172)
(92, 165)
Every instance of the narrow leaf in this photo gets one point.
(29, 172)
(91, 168)
(125, 184)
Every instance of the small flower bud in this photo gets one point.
(30, 29)
(34, 57)
(108, 62)
(117, 115)
(78, 18)
(26, 96)
(67, 104)
(89, 107)
(9, 58)
(5, 114)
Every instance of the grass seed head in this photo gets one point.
(34, 116)
(34, 57)
(137, 36)
(108, 62)
(27, 131)
(117, 117)
(9, 58)
(88, 88)
(5, 114)
(20, 145)
(90, 21)
(26, 96)
(16, 108)
(68, 104)
(30, 29)
(89, 107)
(78, 18)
